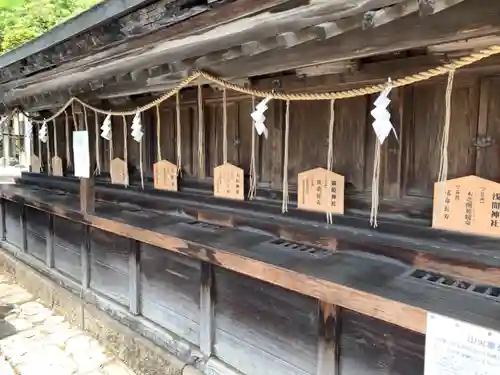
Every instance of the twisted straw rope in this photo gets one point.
(417, 77)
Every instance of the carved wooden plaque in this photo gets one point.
(165, 175)
(57, 166)
(321, 190)
(119, 172)
(35, 164)
(229, 182)
(467, 204)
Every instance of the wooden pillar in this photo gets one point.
(393, 148)
(50, 242)
(207, 309)
(87, 185)
(2, 219)
(87, 195)
(134, 277)
(24, 234)
(85, 257)
(329, 336)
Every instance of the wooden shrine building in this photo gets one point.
(252, 253)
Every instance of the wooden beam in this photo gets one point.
(466, 20)
(385, 15)
(256, 27)
(429, 7)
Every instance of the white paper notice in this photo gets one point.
(457, 348)
(81, 153)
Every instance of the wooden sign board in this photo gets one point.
(321, 190)
(229, 182)
(57, 167)
(165, 175)
(35, 164)
(119, 172)
(468, 204)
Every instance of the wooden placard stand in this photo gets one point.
(468, 204)
(165, 175)
(320, 190)
(229, 182)
(87, 185)
(119, 172)
(57, 166)
(35, 164)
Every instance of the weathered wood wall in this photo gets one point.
(252, 326)
(409, 167)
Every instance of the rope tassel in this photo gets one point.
(329, 216)
(284, 205)
(252, 192)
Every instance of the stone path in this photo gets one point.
(35, 341)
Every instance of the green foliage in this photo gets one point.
(23, 20)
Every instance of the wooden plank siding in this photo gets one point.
(409, 164)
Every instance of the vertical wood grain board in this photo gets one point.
(68, 237)
(109, 261)
(37, 223)
(372, 347)
(170, 291)
(262, 329)
(13, 231)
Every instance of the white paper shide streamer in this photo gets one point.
(106, 128)
(137, 134)
(43, 136)
(259, 118)
(136, 127)
(382, 126)
(28, 127)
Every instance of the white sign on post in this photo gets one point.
(81, 153)
(457, 348)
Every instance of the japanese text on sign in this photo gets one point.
(469, 204)
(321, 190)
(228, 182)
(457, 348)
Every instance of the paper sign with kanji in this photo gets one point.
(229, 182)
(57, 166)
(119, 172)
(35, 164)
(467, 204)
(321, 190)
(165, 175)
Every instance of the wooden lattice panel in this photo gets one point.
(467, 204)
(57, 166)
(119, 172)
(165, 175)
(36, 166)
(320, 190)
(229, 182)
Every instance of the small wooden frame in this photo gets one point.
(36, 166)
(467, 204)
(321, 190)
(57, 166)
(229, 182)
(165, 175)
(119, 172)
